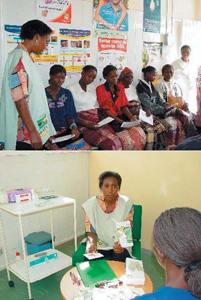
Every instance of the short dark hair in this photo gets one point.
(185, 47)
(165, 67)
(107, 174)
(33, 27)
(148, 69)
(57, 69)
(88, 68)
(108, 69)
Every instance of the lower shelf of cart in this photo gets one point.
(41, 270)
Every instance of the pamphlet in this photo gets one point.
(124, 234)
(63, 138)
(93, 255)
(105, 121)
(143, 117)
(130, 124)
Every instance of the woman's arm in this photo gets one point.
(107, 111)
(123, 14)
(98, 18)
(91, 244)
(74, 130)
(87, 124)
(23, 110)
(154, 108)
(128, 114)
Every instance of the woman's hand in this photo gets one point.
(91, 249)
(117, 248)
(36, 142)
(91, 244)
(75, 132)
(148, 113)
(185, 107)
(92, 126)
(133, 119)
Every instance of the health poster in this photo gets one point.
(111, 14)
(59, 11)
(152, 16)
(152, 55)
(12, 37)
(75, 49)
(111, 52)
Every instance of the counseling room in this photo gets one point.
(83, 225)
(100, 75)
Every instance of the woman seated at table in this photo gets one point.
(154, 134)
(151, 100)
(177, 248)
(62, 110)
(84, 95)
(113, 103)
(171, 92)
(101, 213)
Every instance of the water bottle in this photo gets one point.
(18, 258)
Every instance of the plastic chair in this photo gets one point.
(136, 233)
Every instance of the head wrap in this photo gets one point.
(124, 72)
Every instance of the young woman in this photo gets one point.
(114, 103)
(168, 89)
(178, 250)
(23, 93)
(154, 134)
(85, 100)
(61, 106)
(101, 211)
(151, 100)
(100, 20)
(185, 75)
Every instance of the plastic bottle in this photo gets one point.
(18, 258)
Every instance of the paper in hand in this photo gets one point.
(124, 234)
(93, 255)
(63, 138)
(105, 121)
(130, 124)
(143, 117)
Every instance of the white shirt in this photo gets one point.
(84, 100)
(131, 93)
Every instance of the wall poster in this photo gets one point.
(152, 16)
(152, 55)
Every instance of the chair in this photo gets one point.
(136, 233)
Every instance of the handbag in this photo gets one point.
(179, 100)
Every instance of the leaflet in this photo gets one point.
(130, 124)
(63, 138)
(143, 117)
(105, 121)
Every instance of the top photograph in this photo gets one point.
(91, 75)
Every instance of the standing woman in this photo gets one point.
(23, 93)
(177, 247)
(185, 75)
(151, 100)
(114, 103)
(101, 213)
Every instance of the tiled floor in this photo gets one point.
(48, 288)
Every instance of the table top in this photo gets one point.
(31, 207)
(69, 289)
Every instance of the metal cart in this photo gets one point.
(22, 268)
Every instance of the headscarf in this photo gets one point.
(124, 72)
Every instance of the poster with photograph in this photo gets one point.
(111, 52)
(152, 16)
(12, 37)
(111, 14)
(54, 11)
(75, 49)
(152, 55)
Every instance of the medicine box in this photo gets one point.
(38, 241)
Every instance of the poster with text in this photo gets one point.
(152, 16)
(75, 49)
(111, 15)
(152, 55)
(59, 11)
(111, 52)
(12, 37)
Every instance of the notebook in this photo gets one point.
(94, 271)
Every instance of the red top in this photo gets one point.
(113, 103)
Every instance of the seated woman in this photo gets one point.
(154, 134)
(179, 254)
(171, 92)
(62, 110)
(114, 103)
(151, 100)
(101, 213)
(84, 95)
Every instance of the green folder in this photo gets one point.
(94, 271)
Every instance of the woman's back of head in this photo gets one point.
(177, 234)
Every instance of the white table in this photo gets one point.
(42, 270)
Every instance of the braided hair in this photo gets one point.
(177, 234)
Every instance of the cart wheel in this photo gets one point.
(11, 283)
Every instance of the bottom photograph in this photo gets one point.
(100, 225)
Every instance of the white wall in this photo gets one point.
(66, 173)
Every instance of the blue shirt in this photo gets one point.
(167, 293)
(61, 108)
(111, 16)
